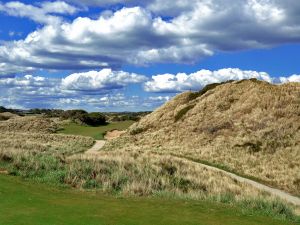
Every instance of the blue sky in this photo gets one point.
(122, 55)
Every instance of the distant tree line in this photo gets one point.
(14, 111)
(123, 116)
(80, 116)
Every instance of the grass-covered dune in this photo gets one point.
(249, 127)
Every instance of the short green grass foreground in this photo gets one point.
(23, 203)
(94, 132)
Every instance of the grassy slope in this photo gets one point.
(251, 127)
(26, 203)
(95, 132)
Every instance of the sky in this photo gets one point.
(130, 55)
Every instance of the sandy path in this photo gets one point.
(276, 192)
(90, 153)
(281, 194)
(96, 147)
(110, 135)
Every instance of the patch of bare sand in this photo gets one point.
(114, 134)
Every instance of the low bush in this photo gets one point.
(95, 119)
(83, 117)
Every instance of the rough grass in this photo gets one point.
(250, 127)
(94, 132)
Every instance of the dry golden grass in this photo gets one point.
(251, 127)
(145, 173)
(128, 172)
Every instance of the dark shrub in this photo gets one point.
(95, 119)
(76, 114)
(82, 117)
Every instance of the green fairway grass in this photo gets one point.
(94, 132)
(23, 203)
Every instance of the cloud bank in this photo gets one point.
(104, 89)
(42, 13)
(145, 33)
(173, 83)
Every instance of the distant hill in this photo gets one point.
(7, 116)
(31, 124)
(249, 126)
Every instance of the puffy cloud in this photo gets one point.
(293, 78)
(58, 7)
(171, 83)
(142, 35)
(27, 81)
(41, 14)
(90, 90)
(103, 90)
(100, 80)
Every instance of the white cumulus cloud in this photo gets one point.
(292, 78)
(195, 81)
(100, 80)
(42, 13)
(150, 32)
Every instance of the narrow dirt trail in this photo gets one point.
(93, 151)
(95, 148)
(276, 192)
(90, 153)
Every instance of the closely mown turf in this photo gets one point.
(94, 132)
(36, 204)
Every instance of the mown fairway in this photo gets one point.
(94, 132)
(35, 204)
